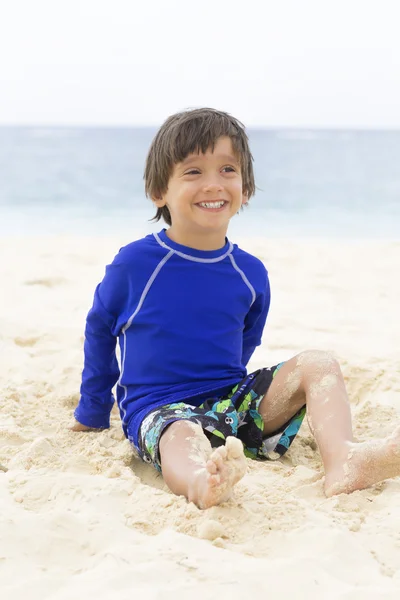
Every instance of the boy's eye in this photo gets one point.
(227, 169)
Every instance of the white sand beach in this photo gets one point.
(81, 517)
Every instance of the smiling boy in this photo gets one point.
(188, 308)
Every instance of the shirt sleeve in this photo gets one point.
(101, 371)
(255, 322)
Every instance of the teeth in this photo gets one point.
(212, 204)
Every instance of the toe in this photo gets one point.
(234, 447)
(219, 457)
(222, 451)
(211, 466)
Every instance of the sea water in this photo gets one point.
(310, 183)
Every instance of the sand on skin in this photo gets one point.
(80, 514)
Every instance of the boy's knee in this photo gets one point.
(317, 362)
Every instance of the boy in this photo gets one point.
(188, 308)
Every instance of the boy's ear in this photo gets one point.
(159, 202)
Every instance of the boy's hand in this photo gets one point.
(79, 427)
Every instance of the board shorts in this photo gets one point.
(235, 414)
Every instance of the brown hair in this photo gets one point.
(184, 133)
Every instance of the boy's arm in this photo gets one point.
(101, 370)
(255, 322)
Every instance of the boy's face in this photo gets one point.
(204, 193)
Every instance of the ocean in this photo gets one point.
(89, 181)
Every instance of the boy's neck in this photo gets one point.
(210, 241)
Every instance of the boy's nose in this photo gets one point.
(213, 186)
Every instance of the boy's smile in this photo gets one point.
(211, 205)
(204, 192)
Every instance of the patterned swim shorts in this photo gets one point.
(235, 414)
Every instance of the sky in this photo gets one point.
(271, 63)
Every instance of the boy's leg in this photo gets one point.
(314, 378)
(191, 468)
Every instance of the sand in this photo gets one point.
(80, 516)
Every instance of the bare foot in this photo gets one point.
(366, 463)
(213, 483)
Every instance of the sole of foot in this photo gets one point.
(224, 468)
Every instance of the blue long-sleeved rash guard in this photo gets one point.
(187, 322)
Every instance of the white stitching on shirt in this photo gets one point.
(243, 276)
(193, 258)
(129, 322)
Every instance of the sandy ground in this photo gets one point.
(80, 515)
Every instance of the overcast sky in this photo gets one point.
(295, 63)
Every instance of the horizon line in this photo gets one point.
(354, 128)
